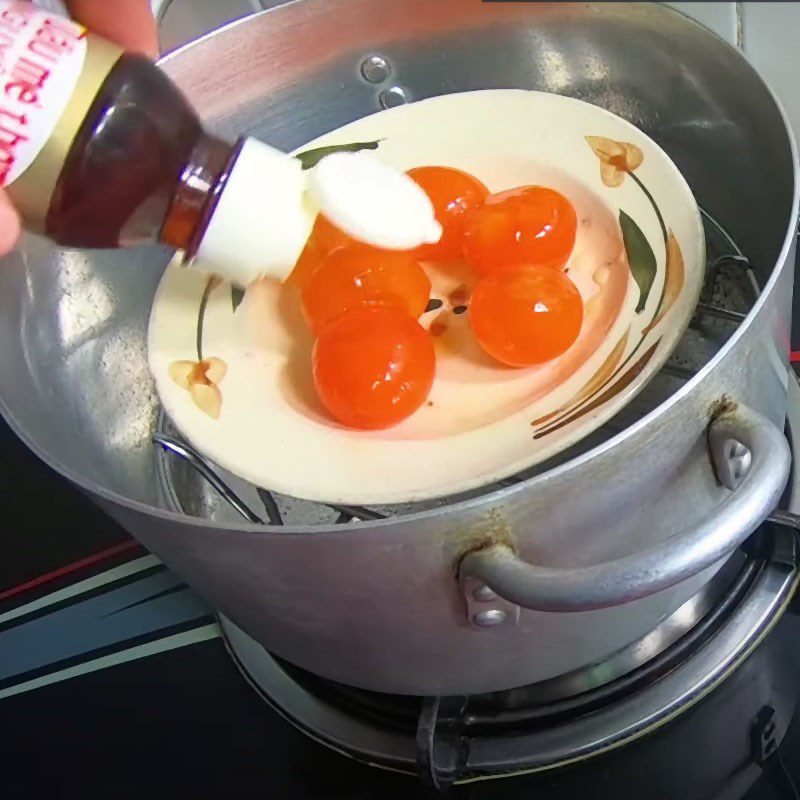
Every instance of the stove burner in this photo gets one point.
(539, 727)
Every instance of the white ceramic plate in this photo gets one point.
(638, 261)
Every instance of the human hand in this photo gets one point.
(130, 24)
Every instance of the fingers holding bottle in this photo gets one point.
(9, 225)
(128, 23)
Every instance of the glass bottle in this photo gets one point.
(98, 148)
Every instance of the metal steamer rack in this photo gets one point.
(730, 290)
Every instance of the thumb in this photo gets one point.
(9, 225)
(129, 23)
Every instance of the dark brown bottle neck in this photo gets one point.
(141, 168)
(199, 186)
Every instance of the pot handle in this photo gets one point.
(751, 458)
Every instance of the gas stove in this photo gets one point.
(105, 653)
(115, 676)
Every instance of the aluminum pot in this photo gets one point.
(597, 550)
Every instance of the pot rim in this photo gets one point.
(491, 498)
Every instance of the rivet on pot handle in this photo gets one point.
(751, 458)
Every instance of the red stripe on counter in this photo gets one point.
(69, 568)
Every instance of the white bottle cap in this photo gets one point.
(266, 210)
(373, 202)
(262, 219)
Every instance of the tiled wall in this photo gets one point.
(768, 33)
(719, 17)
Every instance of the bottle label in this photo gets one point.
(41, 58)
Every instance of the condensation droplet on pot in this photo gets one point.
(392, 97)
(489, 618)
(375, 69)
